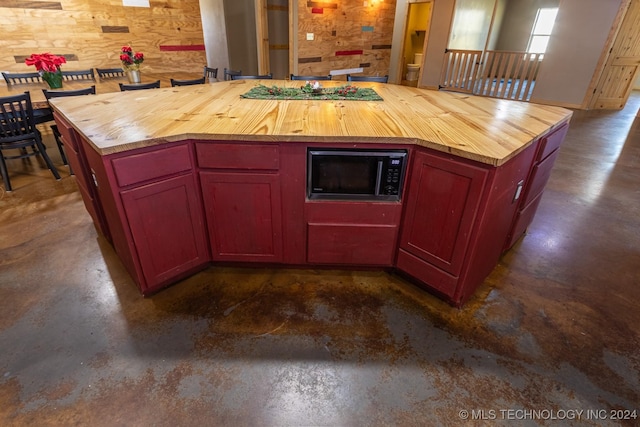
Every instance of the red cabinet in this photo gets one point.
(457, 217)
(167, 227)
(84, 179)
(243, 215)
(152, 204)
(242, 201)
(352, 233)
(441, 207)
(546, 154)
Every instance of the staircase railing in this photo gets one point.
(496, 74)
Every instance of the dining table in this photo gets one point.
(106, 85)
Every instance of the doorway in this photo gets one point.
(415, 40)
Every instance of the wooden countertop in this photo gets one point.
(487, 130)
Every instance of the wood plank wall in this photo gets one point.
(347, 34)
(90, 33)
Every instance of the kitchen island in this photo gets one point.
(179, 178)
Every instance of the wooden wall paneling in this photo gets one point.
(94, 31)
(345, 26)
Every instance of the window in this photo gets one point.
(541, 31)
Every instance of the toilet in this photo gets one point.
(414, 69)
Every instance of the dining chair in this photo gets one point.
(228, 74)
(110, 73)
(241, 77)
(138, 86)
(54, 128)
(79, 75)
(21, 78)
(379, 79)
(18, 132)
(210, 74)
(199, 81)
(310, 78)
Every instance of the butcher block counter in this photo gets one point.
(178, 179)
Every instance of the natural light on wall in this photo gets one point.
(541, 31)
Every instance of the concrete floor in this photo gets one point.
(554, 328)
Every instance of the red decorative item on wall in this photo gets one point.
(177, 48)
(317, 10)
(348, 52)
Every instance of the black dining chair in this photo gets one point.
(379, 79)
(310, 78)
(199, 81)
(18, 132)
(210, 74)
(257, 77)
(21, 78)
(79, 75)
(139, 86)
(54, 128)
(110, 73)
(228, 74)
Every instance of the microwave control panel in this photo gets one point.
(392, 176)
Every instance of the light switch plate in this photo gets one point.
(310, 36)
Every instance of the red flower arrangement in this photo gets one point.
(48, 66)
(130, 60)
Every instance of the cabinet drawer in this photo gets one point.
(551, 142)
(539, 177)
(352, 244)
(238, 156)
(153, 164)
(522, 221)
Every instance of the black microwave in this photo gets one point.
(347, 174)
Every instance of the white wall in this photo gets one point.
(441, 18)
(215, 35)
(578, 39)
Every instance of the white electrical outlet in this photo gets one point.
(310, 36)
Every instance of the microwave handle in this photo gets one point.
(378, 177)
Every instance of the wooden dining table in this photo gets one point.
(38, 99)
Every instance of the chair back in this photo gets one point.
(310, 78)
(199, 81)
(264, 76)
(21, 78)
(379, 79)
(16, 119)
(110, 73)
(61, 93)
(228, 74)
(79, 75)
(139, 86)
(210, 73)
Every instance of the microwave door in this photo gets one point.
(379, 178)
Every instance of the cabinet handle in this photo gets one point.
(516, 196)
(95, 180)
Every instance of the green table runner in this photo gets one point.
(346, 92)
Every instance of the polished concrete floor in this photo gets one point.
(554, 330)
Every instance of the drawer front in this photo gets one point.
(238, 156)
(351, 244)
(150, 165)
(539, 177)
(522, 222)
(551, 142)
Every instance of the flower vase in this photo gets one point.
(54, 80)
(134, 76)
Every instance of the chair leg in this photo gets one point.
(5, 174)
(56, 136)
(47, 160)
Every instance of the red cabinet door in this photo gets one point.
(243, 215)
(441, 207)
(167, 227)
